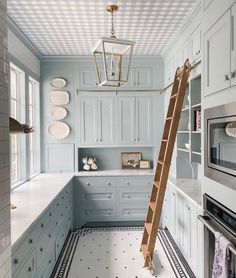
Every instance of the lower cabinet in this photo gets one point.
(111, 199)
(36, 253)
(179, 215)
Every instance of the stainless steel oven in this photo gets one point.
(217, 218)
(220, 144)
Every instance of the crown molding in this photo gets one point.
(195, 11)
(22, 37)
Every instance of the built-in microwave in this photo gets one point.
(220, 144)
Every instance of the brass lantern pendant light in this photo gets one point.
(112, 57)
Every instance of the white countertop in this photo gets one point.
(190, 187)
(118, 172)
(32, 198)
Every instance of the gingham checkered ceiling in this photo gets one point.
(72, 27)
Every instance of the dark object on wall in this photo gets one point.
(16, 127)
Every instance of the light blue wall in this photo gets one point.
(69, 69)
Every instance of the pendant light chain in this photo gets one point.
(112, 31)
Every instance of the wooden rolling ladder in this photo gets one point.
(163, 163)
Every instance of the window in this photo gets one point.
(25, 148)
(33, 120)
(17, 96)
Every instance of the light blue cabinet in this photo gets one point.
(135, 120)
(97, 120)
(111, 199)
(36, 253)
(139, 77)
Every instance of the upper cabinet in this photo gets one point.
(134, 120)
(139, 77)
(219, 52)
(233, 46)
(195, 45)
(97, 120)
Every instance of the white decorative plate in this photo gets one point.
(58, 113)
(59, 97)
(58, 130)
(230, 129)
(58, 83)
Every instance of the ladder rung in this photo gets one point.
(164, 140)
(169, 118)
(157, 184)
(174, 96)
(160, 162)
(148, 227)
(144, 248)
(152, 205)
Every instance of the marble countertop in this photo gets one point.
(190, 187)
(118, 172)
(32, 198)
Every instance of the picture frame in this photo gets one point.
(144, 164)
(130, 160)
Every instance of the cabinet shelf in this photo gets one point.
(198, 153)
(183, 150)
(185, 109)
(183, 131)
(196, 131)
(196, 105)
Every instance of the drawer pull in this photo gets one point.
(30, 240)
(16, 261)
(108, 183)
(49, 261)
(127, 212)
(108, 212)
(41, 249)
(49, 236)
(87, 183)
(226, 77)
(42, 225)
(30, 269)
(62, 214)
(62, 197)
(108, 196)
(50, 214)
(127, 182)
(57, 204)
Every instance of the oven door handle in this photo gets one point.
(205, 221)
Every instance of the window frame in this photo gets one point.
(25, 77)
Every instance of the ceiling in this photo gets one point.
(72, 27)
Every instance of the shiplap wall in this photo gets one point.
(22, 53)
(5, 241)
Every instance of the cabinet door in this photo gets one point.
(143, 77)
(169, 70)
(126, 120)
(88, 120)
(106, 120)
(87, 77)
(233, 46)
(143, 120)
(173, 215)
(217, 56)
(195, 48)
(131, 79)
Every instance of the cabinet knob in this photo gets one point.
(108, 196)
(108, 183)
(49, 261)
(15, 261)
(148, 196)
(97, 140)
(108, 212)
(226, 77)
(49, 236)
(41, 249)
(127, 182)
(42, 225)
(30, 240)
(127, 212)
(87, 183)
(233, 74)
(30, 269)
(100, 140)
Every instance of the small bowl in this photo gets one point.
(187, 146)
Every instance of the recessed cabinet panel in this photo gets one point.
(136, 211)
(143, 77)
(88, 110)
(134, 194)
(126, 120)
(217, 56)
(195, 47)
(87, 78)
(143, 120)
(106, 120)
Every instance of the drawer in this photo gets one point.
(98, 194)
(46, 267)
(18, 257)
(98, 212)
(42, 248)
(96, 181)
(137, 211)
(27, 270)
(134, 194)
(128, 181)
